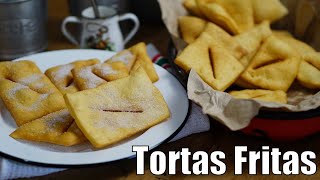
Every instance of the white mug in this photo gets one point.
(100, 33)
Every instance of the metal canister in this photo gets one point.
(23, 27)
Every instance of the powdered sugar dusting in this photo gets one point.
(56, 118)
(31, 79)
(106, 70)
(121, 120)
(18, 87)
(125, 57)
(62, 72)
(12, 92)
(92, 81)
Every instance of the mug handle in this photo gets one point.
(134, 18)
(66, 33)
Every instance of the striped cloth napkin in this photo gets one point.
(196, 122)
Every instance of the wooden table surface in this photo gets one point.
(216, 139)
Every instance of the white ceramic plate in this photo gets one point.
(85, 154)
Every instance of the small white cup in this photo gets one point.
(100, 33)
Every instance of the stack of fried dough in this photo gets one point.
(231, 42)
(85, 100)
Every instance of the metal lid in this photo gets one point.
(11, 1)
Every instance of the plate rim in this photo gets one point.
(54, 165)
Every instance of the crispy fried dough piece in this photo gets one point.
(260, 94)
(218, 15)
(297, 45)
(124, 56)
(225, 40)
(141, 58)
(252, 40)
(196, 56)
(191, 27)
(309, 71)
(211, 61)
(192, 7)
(26, 73)
(270, 10)
(56, 128)
(226, 68)
(89, 77)
(233, 15)
(309, 74)
(61, 75)
(118, 110)
(26, 92)
(111, 71)
(274, 66)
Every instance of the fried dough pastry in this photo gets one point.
(233, 15)
(124, 56)
(89, 77)
(251, 40)
(225, 40)
(118, 110)
(262, 95)
(211, 61)
(143, 60)
(309, 74)
(191, 27)
(270, 10)
(192, 7)
(56, 128)
(274, 66)
(26, 92)
(139, 51)
(61, 75)
(299, 46)
(309, 71)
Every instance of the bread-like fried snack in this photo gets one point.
(57, 128)
(139, 51)
(225, 40)
(270, 10)
(61, 75)
(299, 46)
(143, 60)
(214, 64)
(251, 40)
(262, 95)
(192, 7)
(111, 71)
(118, 110)
(191, 27)
(26, 92)
(274, 67)
(89, 77)
(26, 73)
(233, 15)
(309, 71)
(124, 56)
